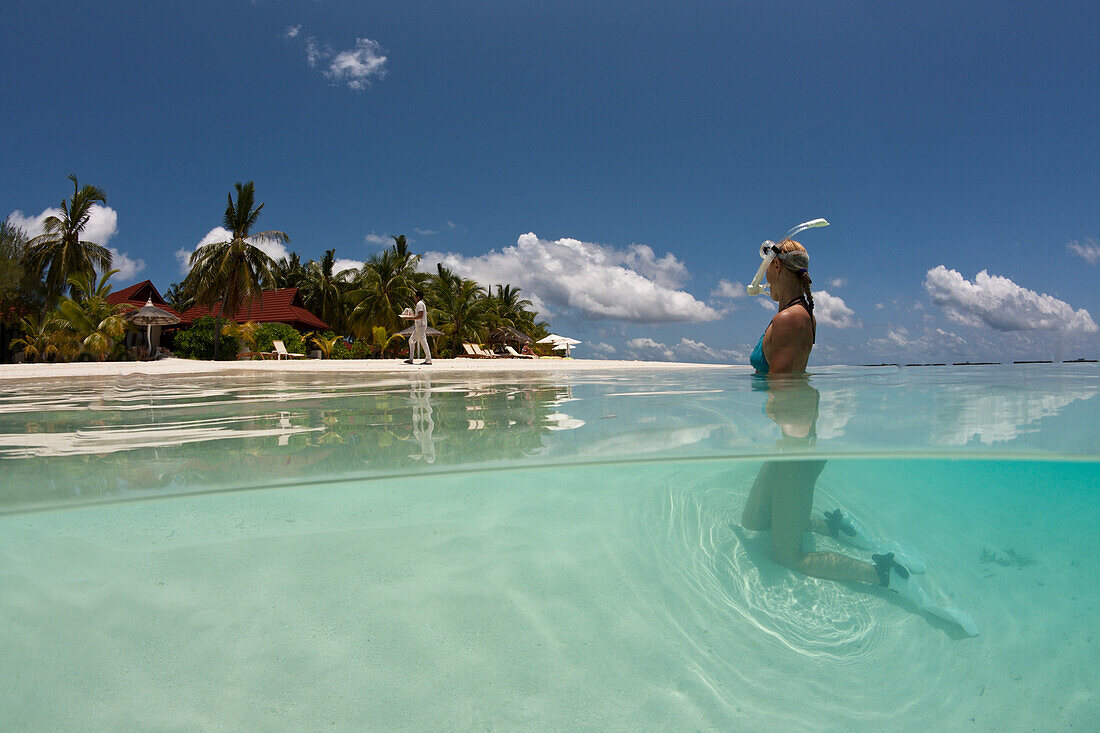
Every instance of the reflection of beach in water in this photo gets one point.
(997, 415)
(838, 407)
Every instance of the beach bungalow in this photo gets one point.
(138, 295)
(273, 306)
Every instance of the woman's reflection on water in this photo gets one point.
(782, 495)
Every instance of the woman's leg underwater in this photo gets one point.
(792, 497)
(757, 514)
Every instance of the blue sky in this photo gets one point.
(619, 161)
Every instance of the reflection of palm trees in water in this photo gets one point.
(783, 493)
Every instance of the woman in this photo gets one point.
(785, 345)
(782, 495)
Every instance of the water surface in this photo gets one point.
(553, 552)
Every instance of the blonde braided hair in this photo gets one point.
(795, 259)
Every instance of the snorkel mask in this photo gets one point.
(769, 250)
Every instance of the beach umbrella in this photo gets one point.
(508, 335)
(149, 315)
(566, 344)
(559, 342)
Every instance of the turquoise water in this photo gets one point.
(555, 552)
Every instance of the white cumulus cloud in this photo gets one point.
(126, 265)
(686, 349)
(1089, 251)
(595, 281)
(353, 67)
(727, 290)
(274, 250)
(373, 238)
(292, 31)
(345, 264)
(602, 348)
(646, 348)
(1001, 304)
(313, 52)
(102, 226)
(830, 310)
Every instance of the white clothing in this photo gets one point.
(420, 332)
(420, 313)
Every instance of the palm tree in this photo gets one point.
(233, 271)
(323, 290)
(401, 247)
(386, 283)
(177, 298)
(16, 300)
(59, 250)
(95, 326)
(460, 309)
(244, 333)
(324, 344)
(381, 340)
(37, 340)
(509, 309)
(289, 271)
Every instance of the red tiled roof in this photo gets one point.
(138, 295)
(273, 306)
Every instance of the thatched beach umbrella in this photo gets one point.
(149, 315)
(509, 335)
(429, 331)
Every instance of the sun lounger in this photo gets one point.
(470, 353)
(280, 351)
(516, 354)
(484, 352)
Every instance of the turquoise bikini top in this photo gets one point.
(757, 358)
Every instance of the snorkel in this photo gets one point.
(769, 250)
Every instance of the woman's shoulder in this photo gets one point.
(791, 321)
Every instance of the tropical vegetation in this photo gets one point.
(59, 252)
(53, 302)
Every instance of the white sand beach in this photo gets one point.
(168, 367)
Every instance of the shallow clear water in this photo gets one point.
(556, 552)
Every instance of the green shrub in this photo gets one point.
(269, 332)
(340, 350)
(197, 342)
(361, 349)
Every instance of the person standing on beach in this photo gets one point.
(420, 331)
